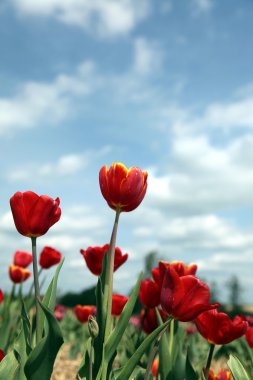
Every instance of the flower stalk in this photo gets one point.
(36, 286)
(209, 360)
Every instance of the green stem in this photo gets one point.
(172, 326)
(31, 287)
(107, 305)
(36, 286)
(90, 360)
(209, 360)
(107, 301)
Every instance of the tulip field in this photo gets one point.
(178, 334)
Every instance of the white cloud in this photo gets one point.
(105, 18)
(202, 5)
(147, 56)
(65, 166)
(49, 103)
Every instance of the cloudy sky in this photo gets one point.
(166, 86)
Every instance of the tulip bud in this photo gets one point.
(93, 327)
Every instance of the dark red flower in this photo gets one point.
(184, 298)
(93, 257)
(33, 214)
(1, 296)
(149, 319)
(118, 303)
(22, 259)
(218, 328)
(190, 330)
(123, 188)
(2, 355)
(18, 274)
(249, 336)
(149, 293)
(49, 257)
(82, 312)
(181, 268)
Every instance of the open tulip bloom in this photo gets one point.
(150, 341)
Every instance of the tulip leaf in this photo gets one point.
(237, 368)
(10, 366)
(190, 373)
(40, 362)
(164, 362)
(83, 370)
(49, 298)
(126, 371)
(122, 323)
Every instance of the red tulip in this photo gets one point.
(93, 257)
(1, 296)
(218, 328)
(123, 188)
(184, 298)
(49, 257)
(181, 268)
(82, 312)
(149, 293)
(33, 214)
(59, 311)
(149, 319)
(2, 355)
(249, 336)
(155, 367)
(18, 274)
(118, 303)
(223, 374)
(22, 259)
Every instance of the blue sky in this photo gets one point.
(166, 86)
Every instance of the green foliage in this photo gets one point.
(237, 369)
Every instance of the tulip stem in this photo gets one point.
(209, 360)
(172, 326)
(90, 360)
(36, 286)
(107, 301)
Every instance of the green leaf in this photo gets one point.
(165, 363)
(190, 373)
(127, 370)
(10, 366)
(49, 298)
(40, 362)
(122, 323)
(83, 370)
(100, 316)
(237, 368)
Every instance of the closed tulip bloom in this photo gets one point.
(2, 355)
(22, 259)
(18, 274)
(1, 296)
(155, 367)
(223, 374)
(218, 328)
(181, 268)
(33, 214)
(184, 298)
(249, 336)
(49, 257)
(93, 257)
(123, 188)
(118, 303)
(149, 319)
(82, 312)
(149, 293)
